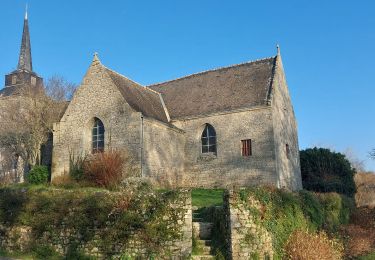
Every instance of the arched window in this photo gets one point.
(98, 136)
(209, 139)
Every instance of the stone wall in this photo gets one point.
(285, 132)
(97, 97)
(22, 238)
(163, 154)
(247, 239)
(228, 167)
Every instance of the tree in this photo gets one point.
(59, 89)
(372, 154)
(356, 163)
(27, 119)
(326, 171)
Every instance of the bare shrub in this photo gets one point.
(62, 180)
(104, 169)
(365, 196)
(303, 245)
(6, 178)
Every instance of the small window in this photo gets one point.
(98, 136)
(246, 147)
(209, 139)
(287, 150)
(14, 80)
(33, 81)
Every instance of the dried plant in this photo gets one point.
(303, 245)
(104, 169)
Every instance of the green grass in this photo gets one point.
(16, 255)
(207, 197)
(370, 256)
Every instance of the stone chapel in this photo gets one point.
(225, 127)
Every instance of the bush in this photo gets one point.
(76, 163)
(303, 245)
(281, 212)
(336, 210)
(39, 174)
(95, 216)
(104, 169)
(326, 171)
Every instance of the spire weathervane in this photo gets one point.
(26, 12)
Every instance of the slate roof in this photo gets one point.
(240, 86)
(140, 98)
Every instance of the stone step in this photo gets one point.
(203, 230)
(197, 219)
(206, 242)
(206, 250)
(199, 257)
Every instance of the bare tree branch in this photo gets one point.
(372, 154)
(26, 120)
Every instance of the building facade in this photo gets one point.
(232, 126)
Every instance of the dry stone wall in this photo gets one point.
(177, 219)
(247, 238)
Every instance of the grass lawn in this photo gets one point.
(370, 256)
(207, 197)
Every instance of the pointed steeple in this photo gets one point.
(25, 61)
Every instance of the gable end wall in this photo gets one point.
(96, 97)
(285, 132)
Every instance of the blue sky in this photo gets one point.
(327, 47)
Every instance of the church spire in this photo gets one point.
(25, 62)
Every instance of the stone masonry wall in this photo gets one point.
(285, 132)
(163, 154)
(20, 238)
(97, 97)
(247, 239)
(228, 167)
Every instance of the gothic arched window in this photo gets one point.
(97, 136)
(209, 139)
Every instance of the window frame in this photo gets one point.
(209, 140)
(97, 136)
(246, 147)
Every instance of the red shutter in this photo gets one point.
(246, 147)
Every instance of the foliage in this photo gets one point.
(326, 171)
(38, 175)
(76, 163)
(45, 252)
(369, 256)
(207, 197)
(104, 169)
(303, 245)
(92, 214)
(282, 212)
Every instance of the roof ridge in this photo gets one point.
(210, 70)
(119, 74)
